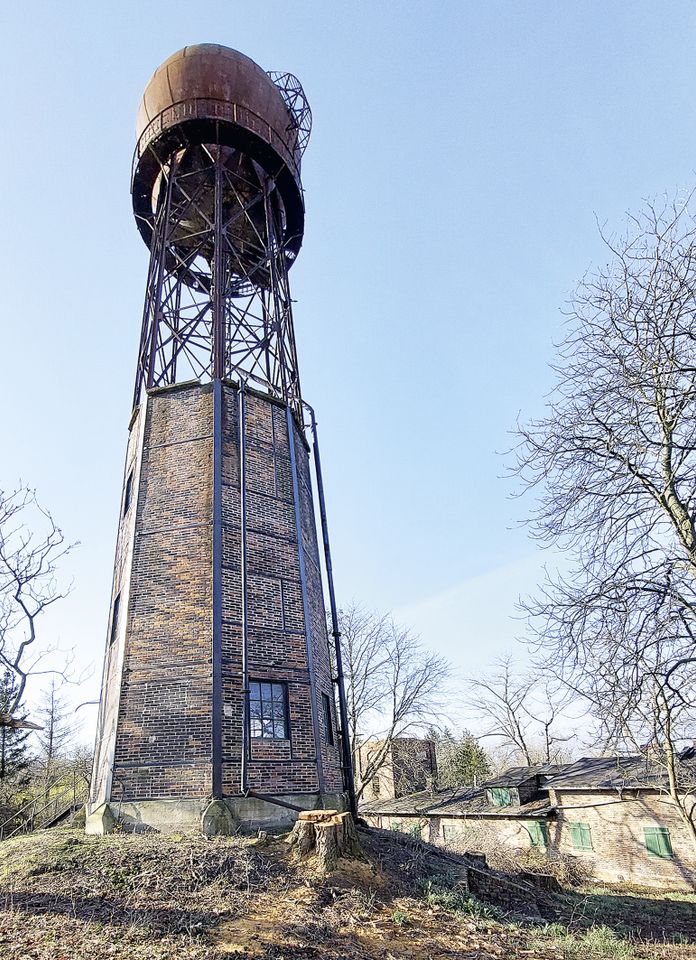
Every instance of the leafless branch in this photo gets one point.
(31, 546)
(612, 465)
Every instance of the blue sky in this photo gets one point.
(460, 154)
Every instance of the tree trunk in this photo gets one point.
(681, 798)
(326, 836)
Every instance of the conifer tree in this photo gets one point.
(461, 760)
(15, 756)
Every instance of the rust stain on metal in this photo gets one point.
(211, 94)
(210, 72)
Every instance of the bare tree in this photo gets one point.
(613, 463)
(641, 691)
(28, 584)
(521, 712)
(394, 687)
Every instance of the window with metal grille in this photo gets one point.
(581, 836)
(114, 618)
(128, 495)
(500, 796)
(538, 833)
(326, 704)
(658, 842)
(268, 710)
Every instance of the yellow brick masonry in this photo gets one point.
(617, 825)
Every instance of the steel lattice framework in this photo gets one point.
(217, 300)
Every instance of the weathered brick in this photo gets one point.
(156, 715)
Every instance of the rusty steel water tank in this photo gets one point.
(208, 94)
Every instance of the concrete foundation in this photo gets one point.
(210, 817)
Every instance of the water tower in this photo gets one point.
(222, 696)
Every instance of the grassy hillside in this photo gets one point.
(64, 895)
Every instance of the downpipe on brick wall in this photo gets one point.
(244, 769)
(314, 694)
(217, 592)
(347, 758)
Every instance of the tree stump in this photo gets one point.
(327, 836)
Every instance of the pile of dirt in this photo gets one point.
(64, 895)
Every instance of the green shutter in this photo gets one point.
(658, 843)
(500, 796)
(538, 833)
(581, 836)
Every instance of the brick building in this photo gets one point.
(404, 766)
(611, 813)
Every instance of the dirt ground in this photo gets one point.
(64, 895)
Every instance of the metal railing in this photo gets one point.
(43, 811)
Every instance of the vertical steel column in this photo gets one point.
(305, 599)
(153, 299)
(218, 291)
(274, 253)
(244, 770)
(348, 775)
(217, 591)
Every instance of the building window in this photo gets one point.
(268, 710)
(128, 495)
(326, 704)
(114, 618)
(538, 833)
(658, 843)
(500, 796)
(449, 832)
(581, 836)
(376, 786)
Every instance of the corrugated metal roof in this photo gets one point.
(637, 771)
(460, 802)
(630, 772)
(518, 775)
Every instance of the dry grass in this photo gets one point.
(64, 895)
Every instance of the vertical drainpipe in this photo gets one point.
(305, 599)
(218, 367)
(244, 770)
(217, 590)
(348, 776)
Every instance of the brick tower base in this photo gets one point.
(217, 584)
